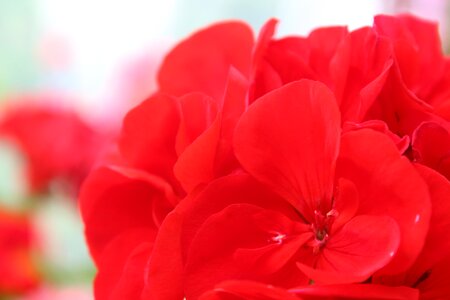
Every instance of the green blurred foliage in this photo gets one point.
(18, 34)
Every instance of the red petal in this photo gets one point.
(226, 191)
(180, 227)
(437, 244)
(324, 44)
(346, 203)
(214, 255)
(288, 139)
(296, 58)
(387, 185)
(353, 253)
(263, 77)
(369, 61)
(264, 37)
(148, 135)
(198, 111)
(211, 156)
(201, 62)
(122, 264)
(356, 291)
(196, 165)
(108, 209)
(266, 80)
(165, 269)
(417, 47)
(402, 111)
(378, 125)
(431, 147)
(289, 58)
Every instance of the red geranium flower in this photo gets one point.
(57, 144)
(275, 170)
(324, 206)
(18, 271)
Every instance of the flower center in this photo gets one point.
(321, 228)
(321, 234)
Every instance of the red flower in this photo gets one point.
(18, 271)
(426, 277)
(325, 204)
(258, 170)
(56, 143)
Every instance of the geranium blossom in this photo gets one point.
(18, 271)
(56, 143)
(295, 168)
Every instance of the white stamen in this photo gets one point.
(279, 238)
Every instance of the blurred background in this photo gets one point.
(69, 71)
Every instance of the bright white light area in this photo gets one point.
(301, 17)
(102, 34)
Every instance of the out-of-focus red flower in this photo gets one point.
(18, 271)
(56, 143)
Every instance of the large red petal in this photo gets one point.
(201, 62)
(387, 184)
(114, 200)
(289, 139)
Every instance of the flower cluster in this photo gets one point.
(310, 167)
